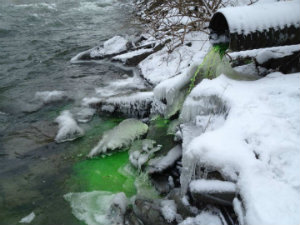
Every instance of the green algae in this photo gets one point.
(104, 174)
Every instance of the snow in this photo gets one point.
(98, 207)
(245, 19)
(162, 65)
(120, 136)
(50, 96)
(211, 186)
(68, 128)
(115, 45)
(112, 46)
(279, 50)
(28, 219)
(124, 57)
(162, 163)
(257, 146)
(168, 210)
(204, 218)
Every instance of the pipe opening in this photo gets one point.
(219, 30)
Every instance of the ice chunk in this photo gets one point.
(141, 151)
(50, 96)
(162, 163)
(84, 115)
(68, 128)
(28, 219)
(168, 210)
(212, 186)
(136, 104)
(98, 207)
(120, 136)
(204, 218)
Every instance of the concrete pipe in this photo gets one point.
(257, 26)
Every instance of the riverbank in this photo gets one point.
(236, 147)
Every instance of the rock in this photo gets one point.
(149, 212)
(160, 164)
(133, 58)
(212, 191)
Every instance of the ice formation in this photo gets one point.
(68, 128)
(257, 146)
(120, 136)
(28, 219)
(84, 115)
(168, 210)
(98, 207)
(162, 163)
(141, 151)
(50, 96)
(137, 104)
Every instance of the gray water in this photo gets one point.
(37, 40)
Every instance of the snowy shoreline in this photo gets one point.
(246, 132)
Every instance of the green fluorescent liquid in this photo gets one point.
(104, 174)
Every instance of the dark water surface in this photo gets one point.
(37, 40)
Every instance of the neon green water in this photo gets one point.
(207, 69)
(104, 174)
(100, 173)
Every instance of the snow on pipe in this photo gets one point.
(256, 26)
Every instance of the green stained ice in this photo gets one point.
(104, 174)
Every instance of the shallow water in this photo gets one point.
(37, 40)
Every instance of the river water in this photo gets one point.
(37, 40)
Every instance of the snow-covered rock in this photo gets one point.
(168, 210)
(157, 165)
(204, 218)
(111, 47)
(68, 128)
(120, 136)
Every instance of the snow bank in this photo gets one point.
(163, 65)
(68, 128)
(28, 219)
(258, 145)
(50, 96)
(120, 136)
(98, 207)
